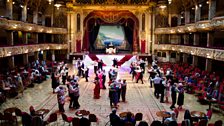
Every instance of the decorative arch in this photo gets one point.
(112, 17)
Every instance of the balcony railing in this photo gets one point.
(22, 26)
(207, 25)
(210, 53)
(22, 49)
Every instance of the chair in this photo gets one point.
(18, 112)
(37, 121)
(138, 116)
(176, 111)
(217, 123)
(32, 111)
(11, 119)
(92, 118)
(75, 122)
(156, 123)
(209, 114)
(52, 118)
(26, 119)
(66, 119)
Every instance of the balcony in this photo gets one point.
(27, 27)
(215, 54)
(22, 49)
(216, 23)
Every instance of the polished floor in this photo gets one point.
(139, 99)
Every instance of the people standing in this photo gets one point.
(157, 81)
(100, 64)
(95, 64)
(173, 95)
(123, 90)
(74, 89)
(54, 83)
(97, 88)
(104, 79)
(180, 100)
(140, 75)
(61, 98)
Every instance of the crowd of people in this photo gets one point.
(14, 82)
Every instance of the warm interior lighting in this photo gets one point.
(50, 1)
(21, 6)
(207, 2)
(162, 6)
(13, 2)
(169, 1)
(200, 5)
(57, 6)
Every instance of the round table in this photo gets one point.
(163, 114)
(81, 113)
(124, 114)
(197, 114)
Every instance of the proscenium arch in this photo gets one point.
(111, 17)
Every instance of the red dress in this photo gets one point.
(96, 90)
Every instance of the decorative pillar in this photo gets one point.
(45, 55)
(196, 39)
(212, 9)
(195, 61)
(210, 39)
(187, 16)
(10, 38)
(35, 17)
(36, 55)
(152, 42)
(208, 66)
(25, 59)
(186, 39)
(185, 56)
(9, 9)
(177, 57)
(35, 37)
(11, 62)
(197, 13)
(167, 56)
(24, 13)
(25, 38)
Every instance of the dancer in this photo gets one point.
(180, 100)
(173, 95)
(104, 79)
(97, 88)
(123, 90)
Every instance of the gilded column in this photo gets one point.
(11, 62)
(167, 56)
(25, 59)
(185, 56)
(53, 55)
(197, 13)
(196, 39)
(36, 55)
(10, 38)
(25, 38)
(45, 55)
(187, 16)
(210, 39)
(195, 61)
(212, 9)
(9, 8)
(24, 12)
(208, 66)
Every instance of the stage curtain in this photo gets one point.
(128, 34)
(93, 35)
(143, 46)
(78, 45)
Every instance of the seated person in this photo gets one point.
(170, 119)
(114, 118)
(129, 119)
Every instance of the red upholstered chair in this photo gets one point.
(66, 119)
(217, 123)
(209, 114)
(52, 118)
(138, 116)
(176, 112)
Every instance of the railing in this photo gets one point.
(22, 49)
(206, 25)
(210, 53)
(28, 27)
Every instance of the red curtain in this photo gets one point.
(78, 45)
(142, 46)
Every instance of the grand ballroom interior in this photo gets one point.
(52, 46)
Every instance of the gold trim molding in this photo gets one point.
(215, 54)
(207, 25)
(15, 50)
(21, 26)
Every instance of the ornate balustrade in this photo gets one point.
(216, 54)
(15, 50)
(22, 26)
(208, 25)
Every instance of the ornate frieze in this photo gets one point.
(21, 26)
(207, 25)
(197, 51)
(15, 50)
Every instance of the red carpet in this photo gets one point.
(123, 60)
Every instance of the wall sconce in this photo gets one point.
(50, 1)
(169, 1)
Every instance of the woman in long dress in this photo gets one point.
(100, 76)
(180, 100)
(97, 88)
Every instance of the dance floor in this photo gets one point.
(140, 98)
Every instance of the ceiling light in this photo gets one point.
(13, 2)
(57, 5)
(181, 17)
(200, 5)
(21, 6)
(207, 2)
(50, 1)
(162, 6)
(169, 1)
(192, 8)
